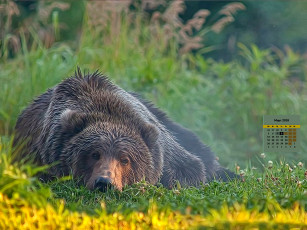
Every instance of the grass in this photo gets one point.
(280, 183)
(19, 214)
(273, 199)
(222, 102)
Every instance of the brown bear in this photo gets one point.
(88, 127)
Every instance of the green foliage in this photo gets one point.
(29, 75)
(19, 180)
(236, 95)
(222, 102)
(274, 198)
(279, 182)
(268, 24)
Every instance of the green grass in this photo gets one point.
(256, 190)
(277, 197)
(222, 102)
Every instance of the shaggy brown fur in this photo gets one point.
(96, 131)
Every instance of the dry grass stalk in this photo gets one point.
(220, 24)
(175, 29)
(45, 10)
(107, 14)
(37, 22)
(197, 21)
(227, 12)
(8, 9)
(171, 14)
(165, 27)
(232, 8)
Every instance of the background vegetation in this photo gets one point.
(186, 60)
(148, 48)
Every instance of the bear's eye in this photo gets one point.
(95, 156)
(124, 160)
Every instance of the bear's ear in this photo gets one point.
(150, 135)
(72, 122)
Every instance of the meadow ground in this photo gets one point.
(274, 199)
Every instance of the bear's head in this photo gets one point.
(106, 151)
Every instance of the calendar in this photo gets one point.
(281, 133)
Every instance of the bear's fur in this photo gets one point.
(93, 129)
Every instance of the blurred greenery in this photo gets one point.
(267, 24)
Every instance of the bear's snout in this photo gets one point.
(103, 184)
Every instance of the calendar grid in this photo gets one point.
(281, 133)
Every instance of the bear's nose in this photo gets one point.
(103, 184)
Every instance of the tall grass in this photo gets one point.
(19, 181)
